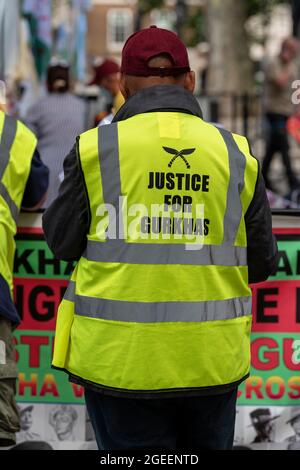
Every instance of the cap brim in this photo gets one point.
(27, 408)
(264, 422)
(293, 419)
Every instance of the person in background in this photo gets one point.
(280, 74)
(63, 419)
(26, 422)
(56, 120)
(107, 77)
(294, 421)
(262, 421)
(23, 182)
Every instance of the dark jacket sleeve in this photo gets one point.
(37, 183)
(262, 245)
(66, 222)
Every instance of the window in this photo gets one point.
(119, 27)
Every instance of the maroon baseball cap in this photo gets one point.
(108, 67)
(143, 45)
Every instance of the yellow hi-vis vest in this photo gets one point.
(17, 146)
(150, 310)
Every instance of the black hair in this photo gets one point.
(58, 79)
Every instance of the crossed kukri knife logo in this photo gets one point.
(179, 154)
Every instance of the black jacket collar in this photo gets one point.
(159, 98)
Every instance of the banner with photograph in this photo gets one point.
(51, 408)
(268, 413)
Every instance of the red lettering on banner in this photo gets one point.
(37, 301)
(272, 384)
(31, 384)
(272, 357)
(34, 343)
(275, 307)
(78, 390)
(254, 385)
(273, 388)
(294, 384)
(49, 386)
(288, 354)
(267, 348)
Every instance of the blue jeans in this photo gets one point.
(166, 424)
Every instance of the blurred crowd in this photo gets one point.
(282, 115)
(61, 115)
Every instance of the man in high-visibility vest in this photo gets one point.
(169, 219)
(23, 182)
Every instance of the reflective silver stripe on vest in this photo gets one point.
(108, 151)
(116, 251)
(70, 292)
(14, 211)
(7, 139)
(159, 312)
(234, 210)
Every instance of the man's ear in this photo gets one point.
(124, 88)
(190, 81)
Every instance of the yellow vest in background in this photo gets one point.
(153, 310)
(17, 147)
(118, 102)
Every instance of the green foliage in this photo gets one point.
(253, 7)
(147, 5)
(263, 8)
(195, 26)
